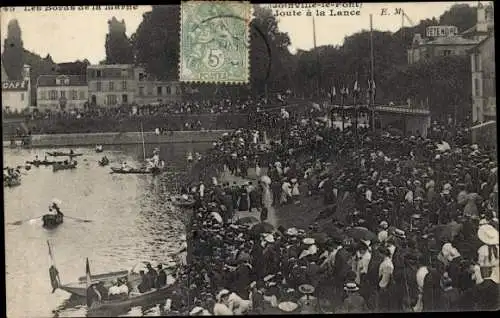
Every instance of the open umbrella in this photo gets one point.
(266, 180)
(263, 227)
(331, 229)
(217, 216)
(361, 233)
(248, 220)
(320, 238)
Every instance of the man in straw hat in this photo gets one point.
(354, 302)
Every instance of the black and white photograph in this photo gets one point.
(237, 158)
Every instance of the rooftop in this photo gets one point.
(50, 80)
(452, 40)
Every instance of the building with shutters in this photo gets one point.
(61, 92)
(111, 85)
(16, 94)
(152, 92)
(483, 80)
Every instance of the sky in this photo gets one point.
(75, 35)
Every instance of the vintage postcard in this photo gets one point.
(233, 158)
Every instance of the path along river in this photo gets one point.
(132, 221)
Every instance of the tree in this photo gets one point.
(13, 57)
(156, 42)
(119, 48)
(460, 15)
(271, 62)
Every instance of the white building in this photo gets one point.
(61, 92)
(16, 94)
(111, 85)
(152, 92)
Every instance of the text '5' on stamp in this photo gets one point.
(214, 42)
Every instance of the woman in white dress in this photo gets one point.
(487, 254)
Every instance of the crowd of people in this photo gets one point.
(410, 223)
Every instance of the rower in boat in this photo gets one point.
(54, 207)
(98, 148)
(125, 166)
(71, 152)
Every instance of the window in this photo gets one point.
(111, 86)
(73, 95)
(82, 95)
(111, 100)
(124, 85)
(125, 98)
(98, 73)
(98, 86)
(142, 76)
(53, 95)
(477, 87)
(66, 81)
(63, 94)
(446, 52)
(169, 90)
(159, 91)
(141, 91)
(22, 96)
(477, 62)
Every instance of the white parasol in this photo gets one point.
(266, 180)
(56, 202)
(217, 216)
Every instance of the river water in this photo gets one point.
(131, 221)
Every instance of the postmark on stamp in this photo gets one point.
(214, 42)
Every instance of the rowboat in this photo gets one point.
(63, 166)
(137, 170)
(179, 201)
(11, 182)
(37, 163)
(51, 221)
(103, 162)
(63, 154)
(80, 287)
(134, 299)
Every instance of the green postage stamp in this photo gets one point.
(214, 42)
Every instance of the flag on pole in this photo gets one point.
(87, 272)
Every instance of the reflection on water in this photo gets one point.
(131, 221)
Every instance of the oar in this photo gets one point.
(77, 219)
(22, 221)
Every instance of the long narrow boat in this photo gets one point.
(63, 166)
(137, 171)
(37, 163)
(63, 154)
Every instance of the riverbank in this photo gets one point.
(126, 138)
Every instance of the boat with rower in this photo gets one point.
(37, 163)
(153, 170)
(99, 148)
(64, 166)
(51, 221)
(104, 161)
(12, 182)
(63, 154)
